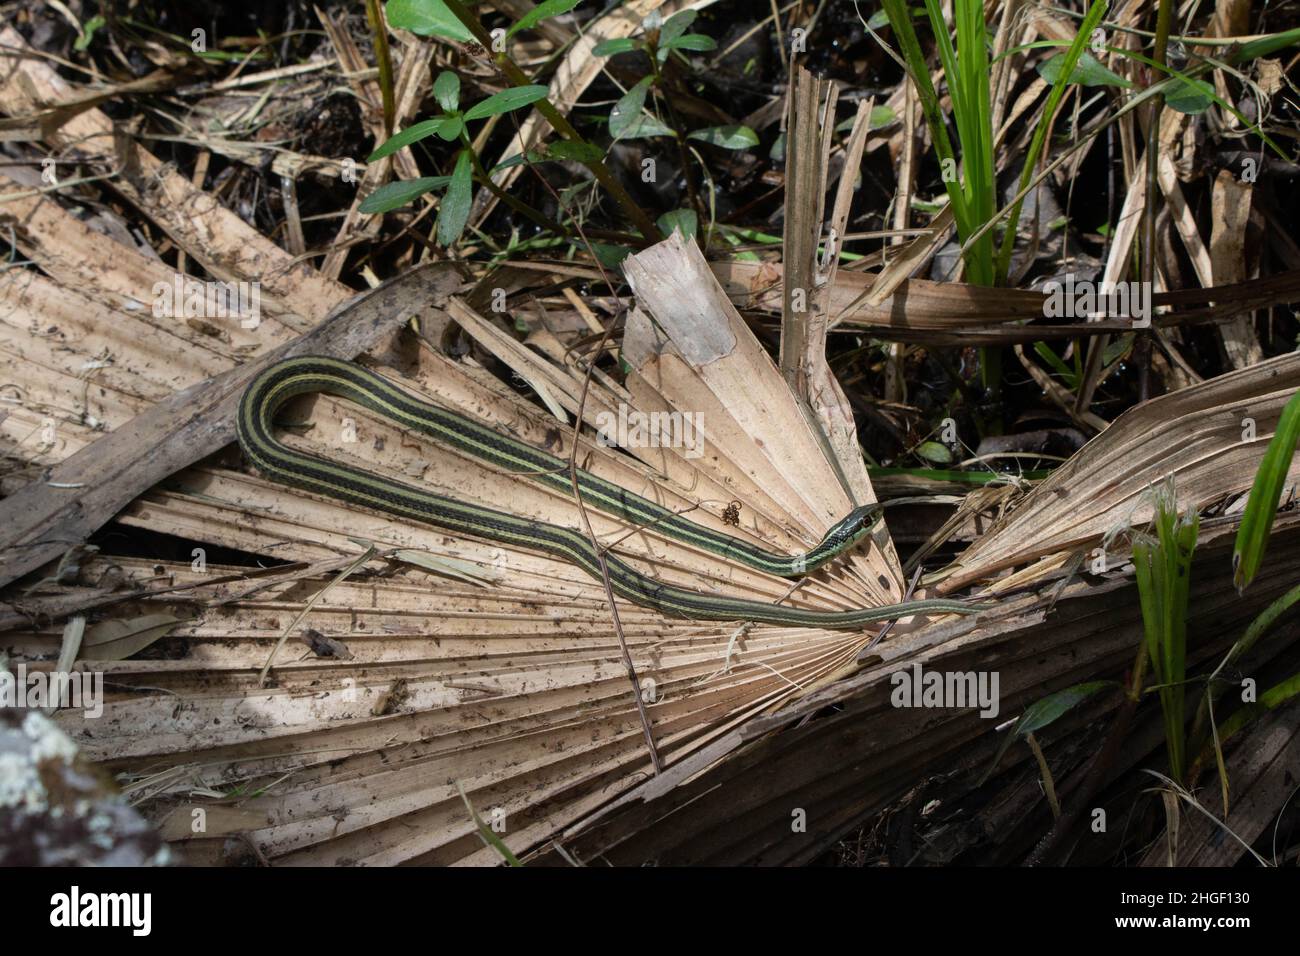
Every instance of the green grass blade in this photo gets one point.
(1261, 508)
(1263, 46)
(1274, 697)
(1046, 353)
(486, 833)
(1164, 569)
(901, 22)
(1072, 55)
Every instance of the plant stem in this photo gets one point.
(1142, 346)
(683, 156)
(518, 205)
(379, 29)
(516, 77)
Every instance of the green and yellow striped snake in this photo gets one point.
(286, 379)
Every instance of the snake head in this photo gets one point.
(858, 523)
(867, 516)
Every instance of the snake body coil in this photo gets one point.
(284, 380)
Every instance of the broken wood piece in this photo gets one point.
(77, 496)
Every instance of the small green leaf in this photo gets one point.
(610, 256)
(676, 25)
(1089, 71)
(427, 18)
(691, 41)
(727, 137)
(683, 220)
(506, 101)
(1051, 358)
(880, 117)
(451, 127)
(406, 137)
(645, 127)
(777, 153)
(578, 152)
(400, 193)
(935, 452)
(615, 47)
(454, 211)
(1190, 96)
(628, 107)
(446, 90)
(1043, 712)
(1117, 349)
(549, 8)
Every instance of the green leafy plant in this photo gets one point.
(450, 20)
(966, 69)
(629, 118)
(1164, 571)
(661, 38)
(453, 212)
(973, 195)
